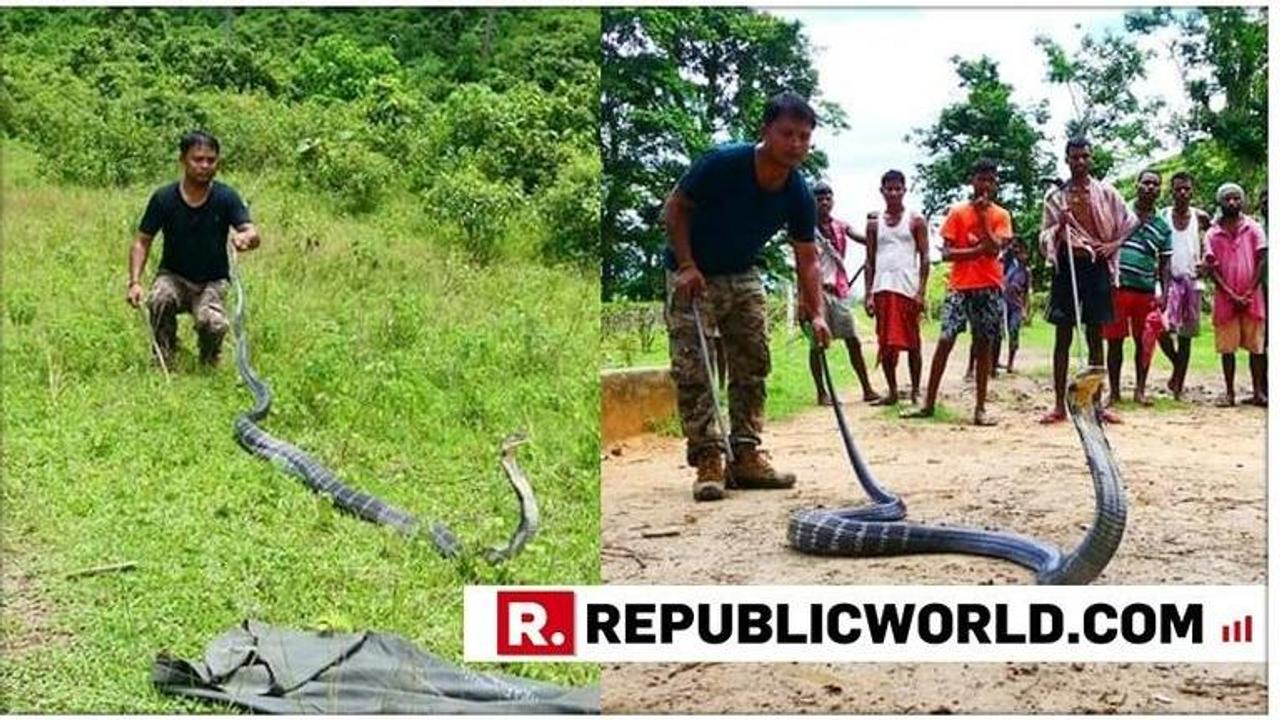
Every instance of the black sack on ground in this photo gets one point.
(275, 670)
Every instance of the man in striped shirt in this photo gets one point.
(1144, 257)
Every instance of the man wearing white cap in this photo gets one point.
(1234, 250)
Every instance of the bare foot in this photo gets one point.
(1110, 417)
(1142, 399)
(1226, 401)
(870, 396)
(1255, 400)
(824, 401)
(887, 401)
(1053, 417)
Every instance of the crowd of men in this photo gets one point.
(1120, 271)
(1134, 271)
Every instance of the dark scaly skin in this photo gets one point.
(878, 529)
(320, 479)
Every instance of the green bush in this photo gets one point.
(476, 205)
(571, 210)
(513, 134)
(344, 168)
(336, 68)
(214, 61)
(94, 140)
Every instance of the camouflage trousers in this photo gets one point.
(735, 305)
(173, 294)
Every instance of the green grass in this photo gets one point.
(1039, 336)
(394, 361)
(791, 389)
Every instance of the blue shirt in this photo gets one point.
(733, 217)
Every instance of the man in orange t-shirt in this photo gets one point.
(974, 232)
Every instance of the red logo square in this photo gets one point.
(535, 622)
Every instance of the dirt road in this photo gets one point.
(1195, 477)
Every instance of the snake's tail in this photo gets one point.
(529, 519)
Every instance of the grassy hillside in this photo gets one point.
(394, 359)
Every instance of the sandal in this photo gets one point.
(1053, 417)
(1110, 417)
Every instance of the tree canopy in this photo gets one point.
(493, 109)
(674, 82)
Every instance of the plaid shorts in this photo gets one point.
(982, 309)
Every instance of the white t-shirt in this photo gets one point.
(1186, 245)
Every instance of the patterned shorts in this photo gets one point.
(981, 309)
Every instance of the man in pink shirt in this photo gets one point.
(833, 245)
(1234, 250)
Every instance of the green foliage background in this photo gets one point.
(498, 104)
(425, 181)
(676, 81)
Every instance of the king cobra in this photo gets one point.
(320, 479)
(878, 529)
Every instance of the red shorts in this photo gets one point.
(897, 321)
(1131, 308)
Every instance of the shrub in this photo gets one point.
(476, 205)
(336, 68)
(344, 168)
(571, 210)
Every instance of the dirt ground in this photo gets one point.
(1195, 478)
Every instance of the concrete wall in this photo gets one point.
(633, 400)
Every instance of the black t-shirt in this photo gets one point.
(733, 217)
(195, 238)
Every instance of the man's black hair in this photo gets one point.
(789, 104)
(892, 175)
(201, 138)
(985, 165)
(1079, 141)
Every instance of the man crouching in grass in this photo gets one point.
(195, 215)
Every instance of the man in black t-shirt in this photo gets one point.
(719, 217)
(195, 214)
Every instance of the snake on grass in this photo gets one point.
(293, 460)
(879, 529)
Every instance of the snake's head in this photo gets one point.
(511, 442)
(1084, 385)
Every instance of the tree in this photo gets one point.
(986, 124)
(1222, 55)
(1099, 78)
(674, 81)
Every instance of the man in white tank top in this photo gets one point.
(897, 275)
(1182, 297)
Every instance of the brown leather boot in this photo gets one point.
(751, 471)
(709, 484)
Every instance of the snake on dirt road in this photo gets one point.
(879, 529)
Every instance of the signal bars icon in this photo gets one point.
(1231, 632)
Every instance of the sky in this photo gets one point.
(890, 71)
